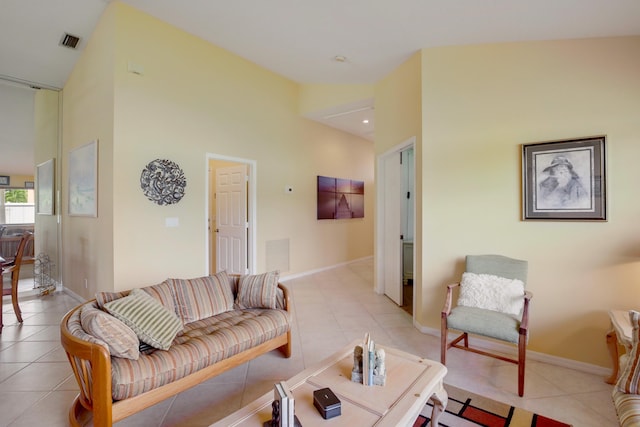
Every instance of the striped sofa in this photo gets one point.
(219, 321)
(625, 395)
(627, 408)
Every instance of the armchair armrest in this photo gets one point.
(524, 323)
(448, 300)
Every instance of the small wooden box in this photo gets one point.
(327, 403)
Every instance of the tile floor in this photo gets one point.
(331, 308)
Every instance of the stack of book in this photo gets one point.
(368, 359)
(284, 397)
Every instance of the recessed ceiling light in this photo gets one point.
(340, 58)
(365, 121)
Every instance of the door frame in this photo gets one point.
(380, 216)
(252, 214)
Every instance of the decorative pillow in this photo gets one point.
(258, 291)
(203, 297)
(104, 297)
(151, 321)
(164, 292)
(492, 293)
(120, 339)
(629, 381)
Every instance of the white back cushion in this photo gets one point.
(492, 293)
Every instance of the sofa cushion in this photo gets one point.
(203, 297)
(629, 380)
(151, 321)
(120, 339)
(203, 343)
(492, 293)
(258, 291)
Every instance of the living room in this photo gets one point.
(468, 177)
(470, 108)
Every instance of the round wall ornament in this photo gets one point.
(163, 182)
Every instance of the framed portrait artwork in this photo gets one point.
(44, 191)
(565, 180)
(83, 180)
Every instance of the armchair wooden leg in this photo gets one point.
(443, 341)
(522, 355)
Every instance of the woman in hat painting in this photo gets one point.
(562, 188)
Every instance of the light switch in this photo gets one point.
(171, 222)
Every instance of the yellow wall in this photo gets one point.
(191, 99)
(318, 97)
(88, 115)
(398, 118)
(17, 181)
(46, 123)
(479, 104)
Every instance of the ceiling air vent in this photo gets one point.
(69, 41)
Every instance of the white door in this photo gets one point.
(392, 244)
(231, 219)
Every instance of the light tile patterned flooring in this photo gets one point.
(331, 308)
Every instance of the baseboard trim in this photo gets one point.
(318, 270)
(531, 355)
(73, 294)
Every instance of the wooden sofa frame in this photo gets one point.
(95, 381)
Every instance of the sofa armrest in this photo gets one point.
(91, 365)
(286, 297)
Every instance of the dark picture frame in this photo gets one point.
(5, 180)
(340, 198)
(565, 180)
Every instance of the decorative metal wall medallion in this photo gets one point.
(163, 182)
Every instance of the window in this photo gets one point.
(17, 206)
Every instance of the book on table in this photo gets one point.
(284, 397)
(368, 359)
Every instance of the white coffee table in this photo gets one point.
(411, 381)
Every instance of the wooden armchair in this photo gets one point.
(505, 276)
(13, 267)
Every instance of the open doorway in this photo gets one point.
(231, 214)
(395, 178)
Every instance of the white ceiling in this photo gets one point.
(299, 39)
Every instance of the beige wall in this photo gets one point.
(479, 104)
(192, 99)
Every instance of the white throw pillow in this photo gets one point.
(492, 293)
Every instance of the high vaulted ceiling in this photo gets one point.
(300, 39)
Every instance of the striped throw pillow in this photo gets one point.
(629, 381)
(203, 297)
(120, 338)
(151, 321)
(258, 291)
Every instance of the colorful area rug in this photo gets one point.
(465, 409)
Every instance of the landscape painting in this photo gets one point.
(340, 198)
